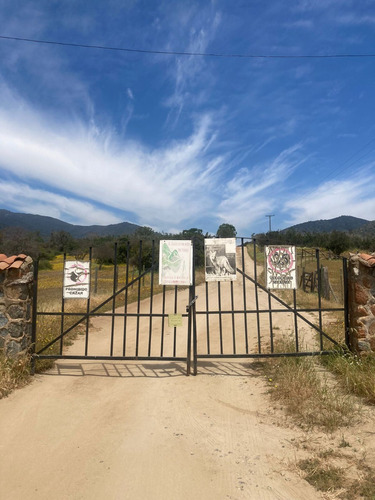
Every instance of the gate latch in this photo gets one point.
(191, 303)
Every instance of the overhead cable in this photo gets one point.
(181, 53)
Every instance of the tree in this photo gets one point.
(197, 236)
(226, 231)
(144, 233)
(16, 240)
(338, 242)
(62, 241)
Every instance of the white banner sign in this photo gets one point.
(76, 280)
(281, 268)
(220, 256)
(175, 262)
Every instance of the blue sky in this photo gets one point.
(169, 141)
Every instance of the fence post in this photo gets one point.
(16, 305)
(96, 281)
(361, 302)
(325, 283)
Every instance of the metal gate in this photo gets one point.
(219, 320)
(247, 320)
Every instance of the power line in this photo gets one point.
(348, 162)
(181, 53)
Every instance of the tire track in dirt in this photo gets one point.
(142, 430)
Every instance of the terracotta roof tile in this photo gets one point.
(16, 264)
(15, 261)
(369, 259)
(11, 259)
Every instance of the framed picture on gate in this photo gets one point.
(220, 259)
(281, 267)
(176, 262)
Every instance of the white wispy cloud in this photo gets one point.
(87, 162)
(255, 191)
(354, 196)
(311, 5)
(23, 198)
(187, 69)
(352, 19)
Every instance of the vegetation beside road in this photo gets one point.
(14, 373)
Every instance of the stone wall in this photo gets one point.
(16, 292)
(362, 302)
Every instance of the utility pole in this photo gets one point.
(269, 220)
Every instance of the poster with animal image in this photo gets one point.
(281, 268)
(176, 262)
(76, 280)
(220, 255)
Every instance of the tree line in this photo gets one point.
(335, 241)
(14, 241)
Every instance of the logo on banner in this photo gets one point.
(281, 267)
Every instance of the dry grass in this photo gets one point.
(322, 472)
(14, 373)
(322, 475)
(355, 374)
(298, 384)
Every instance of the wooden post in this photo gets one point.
(325, 291)
(96, 281)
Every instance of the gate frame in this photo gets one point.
(85, 317)
(192, 354)
(288, 309)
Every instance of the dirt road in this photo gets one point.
(143, 430)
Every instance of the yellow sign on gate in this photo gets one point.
(174, 320)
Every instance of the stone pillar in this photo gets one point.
(362, 302)
(16, 295)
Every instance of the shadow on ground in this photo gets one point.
(153, 370)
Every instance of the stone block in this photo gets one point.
(17, 291)
(367, 282)
(25, 343)
(16, 311)
(28, 329)
(361, 294)
(12, 349)
(14, 274)
(363, 345)
(3, 320)
(16, 329)
(28, 311)
(361, 333)
(362, 311)
(371, 329)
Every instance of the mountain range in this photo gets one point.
(46, 225)
(345, 223)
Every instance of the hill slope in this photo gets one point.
(342, 223)
(46, 225)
